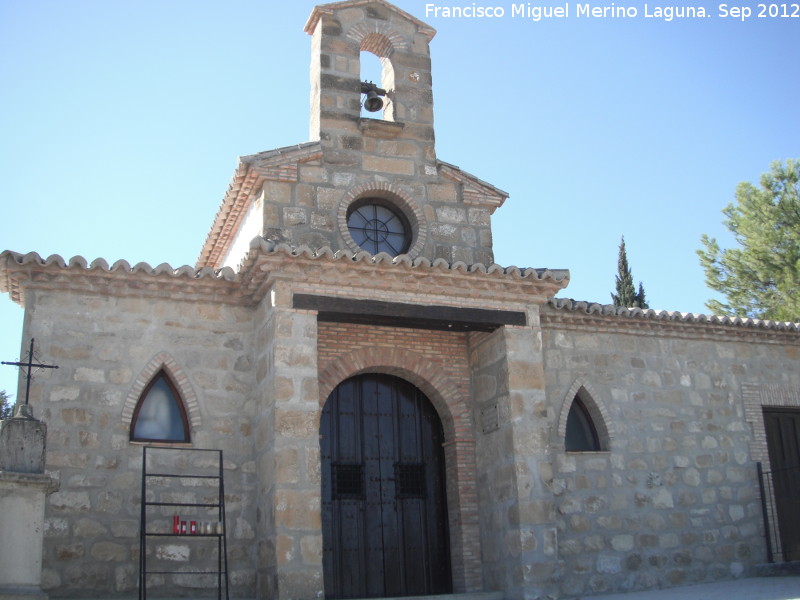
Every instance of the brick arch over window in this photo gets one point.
(598, 413)
(163, 361)
(459, 447)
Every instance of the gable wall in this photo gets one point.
(312, 211)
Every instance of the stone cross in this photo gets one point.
(29, 366)
(24, 486)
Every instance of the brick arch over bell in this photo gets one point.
(415, 368)
(163, 361)
(380, 39)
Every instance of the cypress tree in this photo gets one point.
(626, 293)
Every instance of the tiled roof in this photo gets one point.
(120, 266)
(404, 260)
(15, 268)
(246, 180)
(221, 284)
(609, 310)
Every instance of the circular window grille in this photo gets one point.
(378, 227)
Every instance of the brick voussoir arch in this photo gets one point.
(423, 372)
(598, 412)
(450, 402)
(163, 361)
(398, 196)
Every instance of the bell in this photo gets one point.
(373, 102)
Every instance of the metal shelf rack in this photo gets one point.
(146, 532)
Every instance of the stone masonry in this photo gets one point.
(283, 306)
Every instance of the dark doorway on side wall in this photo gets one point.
(783, 442)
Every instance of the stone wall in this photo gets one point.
(513, 454)
(287, 417)
(675, 498)
(107, 348)
(311, 208)
(672, 499)
(494, 460)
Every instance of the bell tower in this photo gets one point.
(341, 32)
(368, 180)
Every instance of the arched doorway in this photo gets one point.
(384, 515)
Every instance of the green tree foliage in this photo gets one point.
(760, 278)
(626, 293)
(6, 408)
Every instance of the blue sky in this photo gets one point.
(121, 123)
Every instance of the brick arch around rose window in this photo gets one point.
(595, 407)
(397, 197)
(459, 447)
(163, 361)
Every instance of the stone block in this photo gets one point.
(297, 510)
(70, 502)
(311, 549)
(287, 466)
(442, 192)
(609, 564)
(284, 549)
(296, 424)
(306, 583)
(293, 216)
(379, 164)
(450, 214)
(173, 552)
(109, 551)
(22, 445)
(70, 551)
(90, 375)
(622, 543)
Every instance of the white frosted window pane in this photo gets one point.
(160, 415)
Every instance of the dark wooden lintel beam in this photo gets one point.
(397, 314)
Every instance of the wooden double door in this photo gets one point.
(783, 442)
(384, 515)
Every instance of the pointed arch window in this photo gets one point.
(160, 415)
(581, 433)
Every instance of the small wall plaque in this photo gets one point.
(490, 419)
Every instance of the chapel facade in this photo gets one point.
(398, 414)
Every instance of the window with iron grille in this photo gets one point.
(348, 481)
(410, 480)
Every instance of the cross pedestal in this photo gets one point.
(23, 489)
